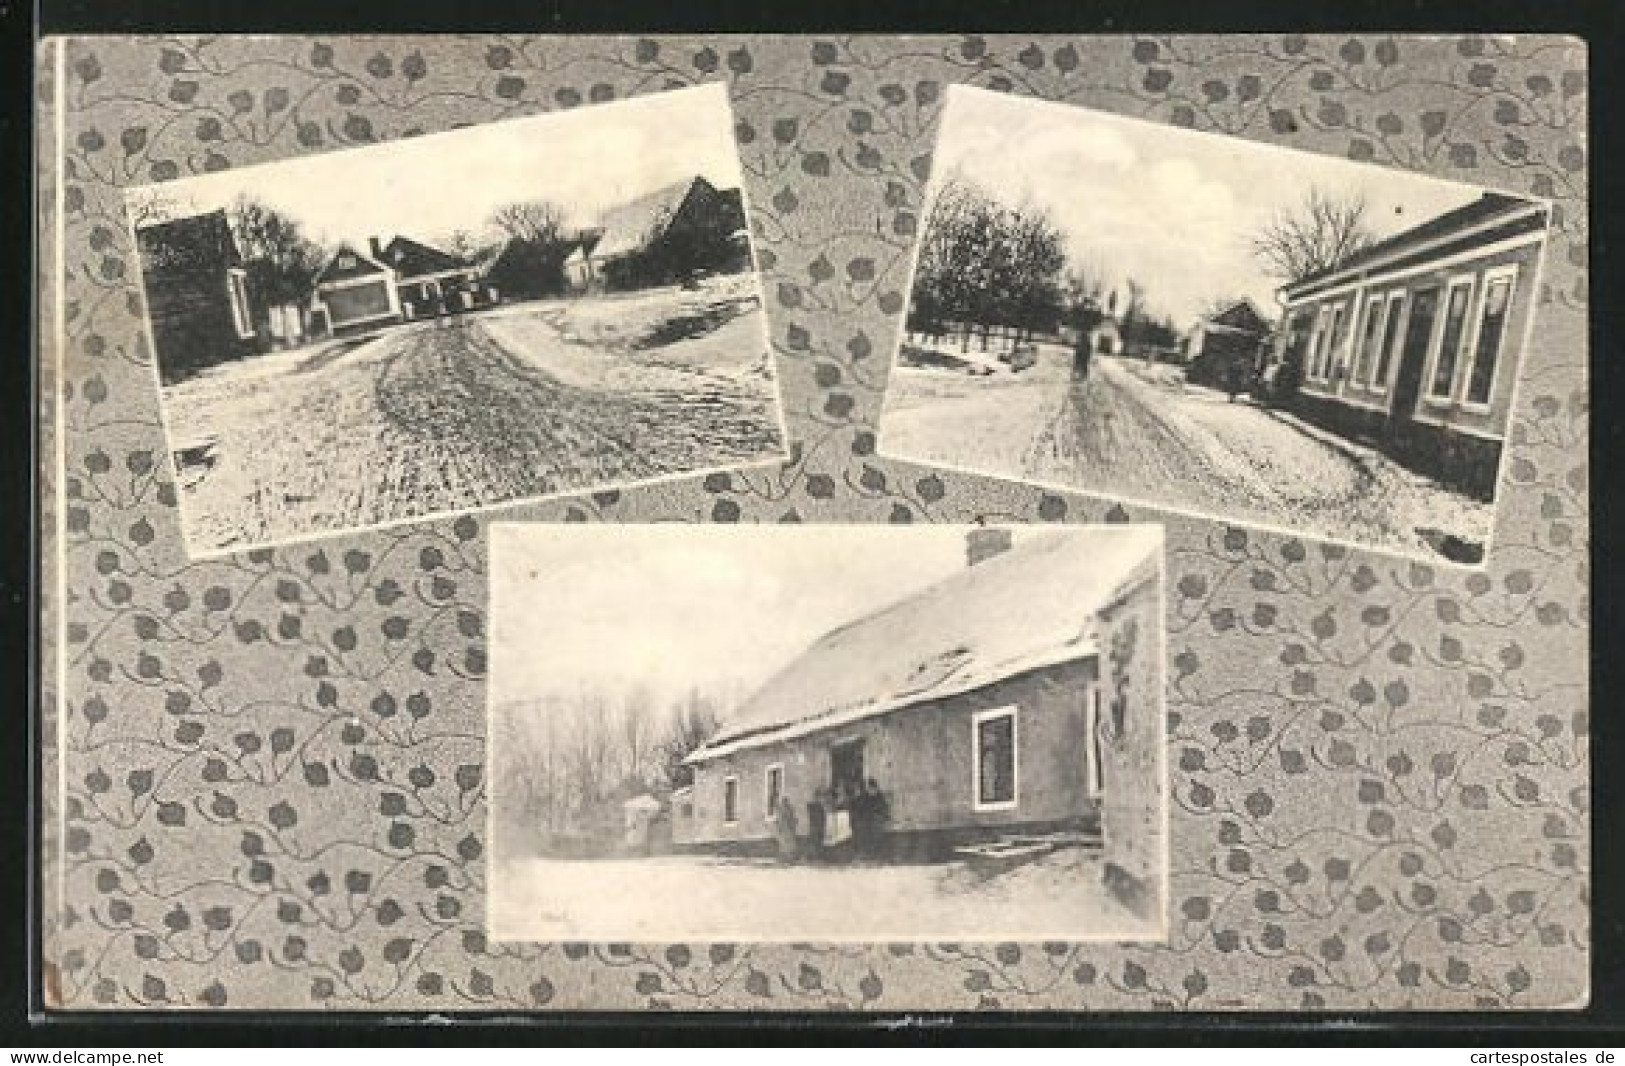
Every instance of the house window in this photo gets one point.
(1492, 327)
(241, 314)
(1450, 340)
(1371, 332)
(1091, 744)
(1336, 335)
(346, 262)
(1317, 345)
(1390, 341)
(993, 758)
(775, 790)
(730, 799)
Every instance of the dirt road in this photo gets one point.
(1138, 432)
(453, 414)
(1061, 896)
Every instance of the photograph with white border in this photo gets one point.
(852, 733)
(504, 312)
(1215, 326)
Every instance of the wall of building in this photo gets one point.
(1134, 787)
(192, 323)
(1452, 417)
(359, 305)
(921, 758)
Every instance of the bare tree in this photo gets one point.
(283, 261)
(539, 221)
(1320, 233)
(693, 721)
(160, 206)
(637, 727)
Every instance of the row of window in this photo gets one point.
(1463, 345)
(994, 763)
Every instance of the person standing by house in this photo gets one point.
(877, 812)
(817, 815)
(784, 828)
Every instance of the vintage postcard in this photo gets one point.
(827, 733)
(1215, 326)
(499, 313)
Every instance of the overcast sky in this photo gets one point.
(585, 160)
(672, 606)
(1171, 207)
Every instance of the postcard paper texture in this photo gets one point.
(272, 786)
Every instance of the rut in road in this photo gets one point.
(471, 423)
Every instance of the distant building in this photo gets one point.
(198, 295)
(1226, 345)
(1106, 335)
(1413, 343)
(1020, 695)
(403, 280)
(664, 237)
(430, 282)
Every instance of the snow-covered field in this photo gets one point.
(1141, 433)
(1058, 897)
(515, 403)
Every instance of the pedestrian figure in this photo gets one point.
(877, 815)
(817, 815)
(784, 828)
(1081, 352)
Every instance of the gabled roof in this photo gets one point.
(631, 226)
(348, 263)
(1241, 316)
(1031, 606)
(411, 259)
(1489, 207)
(195, 241)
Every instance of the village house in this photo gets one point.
(1021, 695)
(663, 237)
(355, 293)
(198, 295)
(430, 282)
(1226, 343)
(1412, 344)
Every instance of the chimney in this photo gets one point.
(375, 248)
(983, 544)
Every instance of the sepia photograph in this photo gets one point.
(826, 733)
(497, 313)
(1198, 322)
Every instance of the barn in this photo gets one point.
(664, 237)
(1412, 344)
(1021, 695)
(198, 295)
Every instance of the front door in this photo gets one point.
(846, 767)
(1413, 357)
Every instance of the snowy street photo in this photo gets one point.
(1219, 327)
(827, 733)
(505, 312)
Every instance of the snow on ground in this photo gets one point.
(1058, 897)
(1139, 432)
(463, 412)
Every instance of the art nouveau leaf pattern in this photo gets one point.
(271, 765)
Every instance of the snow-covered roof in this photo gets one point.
(1031, 606)
(631, 226)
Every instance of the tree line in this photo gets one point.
(986, 269)
(563, 764)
